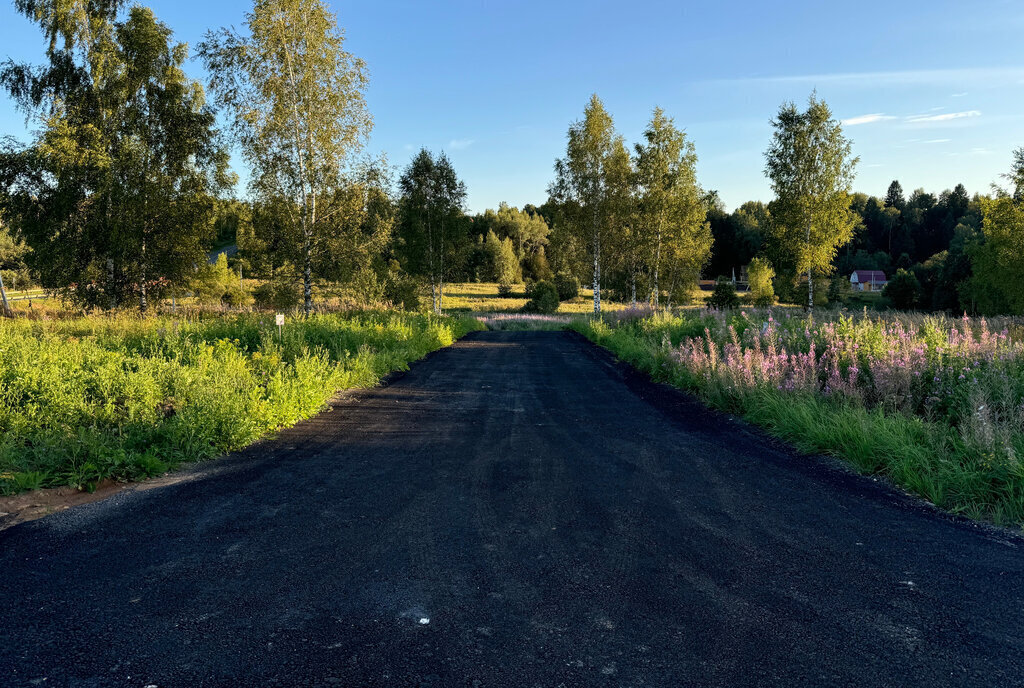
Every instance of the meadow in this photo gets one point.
(121, 397)
(936, 404)
(483, 297)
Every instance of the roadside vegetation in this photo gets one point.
(125, 398)
(936, 404)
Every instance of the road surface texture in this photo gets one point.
(516, 510)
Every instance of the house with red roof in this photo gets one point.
(868, 280)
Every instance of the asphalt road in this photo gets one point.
(517, 510)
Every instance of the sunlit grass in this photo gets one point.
(125, 397)
(483, 297)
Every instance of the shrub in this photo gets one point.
(216, 283)
(839, 289)
(280, 293)
(903, 290)
(545, 298)
(505, 289)
(403, 291)
(724, 297)
(567, 285)
(760, 275)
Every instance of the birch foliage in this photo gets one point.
(299, 111)
(811, 169)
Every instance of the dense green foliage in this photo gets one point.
(811, 170)
(932, 403)
(98, 397)
(299, 113)
(116, 193)
(543, 298)
(903, 290)
(724, 297)
(759, 276)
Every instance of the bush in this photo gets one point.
(505, 289)
(839, 289)
(760, 275)
(545, 298)
(724, 297)
(903, 290)
(567, 285)
(280, 293)
(217, 284)
(403, 291)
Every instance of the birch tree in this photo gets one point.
(298, 102)
(811, 170)
(670, 207)
(115, 194)
(581, 182)
(430, 229)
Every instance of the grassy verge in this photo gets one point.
(125, 398)
(935, 405)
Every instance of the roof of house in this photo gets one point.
(869, 275)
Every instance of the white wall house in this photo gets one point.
(868, 280)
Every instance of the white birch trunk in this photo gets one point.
(7, 312)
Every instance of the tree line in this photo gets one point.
(126, 187)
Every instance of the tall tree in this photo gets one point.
(811, 170)
(894, 196)
(670, 198)
(430, 230)
(996, 285)
(580, 184)
(115, 195)
(299, 110)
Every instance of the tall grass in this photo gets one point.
(936, 404)
(124, 398)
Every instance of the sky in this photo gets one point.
(931, 92)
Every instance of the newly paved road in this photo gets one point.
(517, 510)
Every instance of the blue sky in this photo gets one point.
(932, 91)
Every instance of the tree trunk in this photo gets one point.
(657, 264)
(632, 300)
(7, 312)
(810, 283)
(110, 283)
(810, 291)
(142, 280)
(307, 277)
(597, 268)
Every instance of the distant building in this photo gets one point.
(868, 280)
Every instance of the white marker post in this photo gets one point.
(280, 327)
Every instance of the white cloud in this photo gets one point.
(460, 144)
(958, 77)
(937, 141)
(944, 117)
(866, 119)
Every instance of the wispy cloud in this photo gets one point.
(906, 77)
(866, 119)
(937, 141)
(460, 144)
(945, 117)
(959, 95)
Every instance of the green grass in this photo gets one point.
(120, 397)
(945, 459)
(483, 297)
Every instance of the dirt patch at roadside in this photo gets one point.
(29, 506)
